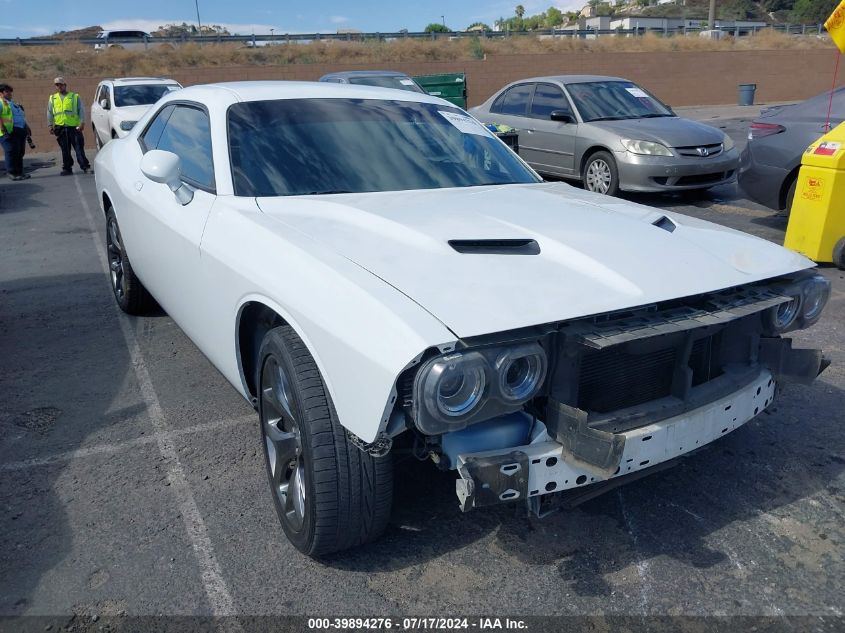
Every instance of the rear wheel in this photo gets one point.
(329, 495)
(600, 174)
(790, 195)
(128, 290)
(839, 254)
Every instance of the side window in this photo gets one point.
(98, 95)
(106, 94)
(548, 98)
(150, 138)
(188, 135)
(515, 101)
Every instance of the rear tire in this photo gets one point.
(790, 196)
(329, 495)
(839, 254)
(600, 174)
(128, 290)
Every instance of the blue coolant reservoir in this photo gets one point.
(503, 432)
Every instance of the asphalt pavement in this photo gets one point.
(132, 482)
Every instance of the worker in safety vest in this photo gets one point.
(12, 133)
(66, 117)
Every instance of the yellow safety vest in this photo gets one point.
(64, 109)
(6, 120)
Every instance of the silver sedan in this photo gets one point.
(611, 134)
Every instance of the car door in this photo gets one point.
(511, 108)
(165, 234)
(552, 142)
(100, 115)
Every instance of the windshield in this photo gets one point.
(295, 147)
(613, 100)
(387, 81)
(140, 95)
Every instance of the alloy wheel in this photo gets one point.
(115, 252)
(282, 443)
(598, 177)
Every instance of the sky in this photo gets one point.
(28, 18)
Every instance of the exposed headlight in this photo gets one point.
(783, 317)
(816, 295)
(808, 299)
(127, 125)
(521, 371)
(728, 143)
(646, 148)
(455, 385)
(461, 388)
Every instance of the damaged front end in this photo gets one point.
(551, 408)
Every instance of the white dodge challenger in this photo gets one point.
(377, 273)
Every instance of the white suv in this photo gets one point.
(119, 103)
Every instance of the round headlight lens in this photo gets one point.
(521, 372)
(784, 315)
(816, 295)
(455, 385)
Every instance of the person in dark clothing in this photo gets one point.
(12, 133)
(66, 118)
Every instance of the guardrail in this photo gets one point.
(287, 38)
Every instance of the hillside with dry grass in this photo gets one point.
(20, 62)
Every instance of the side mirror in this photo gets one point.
(564, 116)
(104, 104)
(166, 168)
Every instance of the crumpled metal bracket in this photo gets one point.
(486, 481)
(597, 452)
(792, 365)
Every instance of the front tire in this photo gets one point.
(128, 290)
(329, 495)
(601, 175)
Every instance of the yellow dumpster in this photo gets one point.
(817, 218)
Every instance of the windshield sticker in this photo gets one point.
(406, 82)
(639, 93)
(465, 124)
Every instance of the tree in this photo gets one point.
(813, 11)
(554, 17)
(436, 27)
(736, 9)
(478, 26)
(520, 11)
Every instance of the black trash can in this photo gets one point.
(511, 139)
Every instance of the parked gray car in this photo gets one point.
(777, 139)
(381, 78)
(611, 134)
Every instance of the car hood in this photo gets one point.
(670, 131)
(130, 113)
(596, 254)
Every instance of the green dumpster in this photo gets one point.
(449, 86)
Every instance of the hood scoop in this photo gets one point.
(665, 223)
(496, 247)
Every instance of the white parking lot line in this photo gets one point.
(118, 447)
(212, 578)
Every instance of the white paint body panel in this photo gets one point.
(368, 280)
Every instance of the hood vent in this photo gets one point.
(665, 223)
(496, 247)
